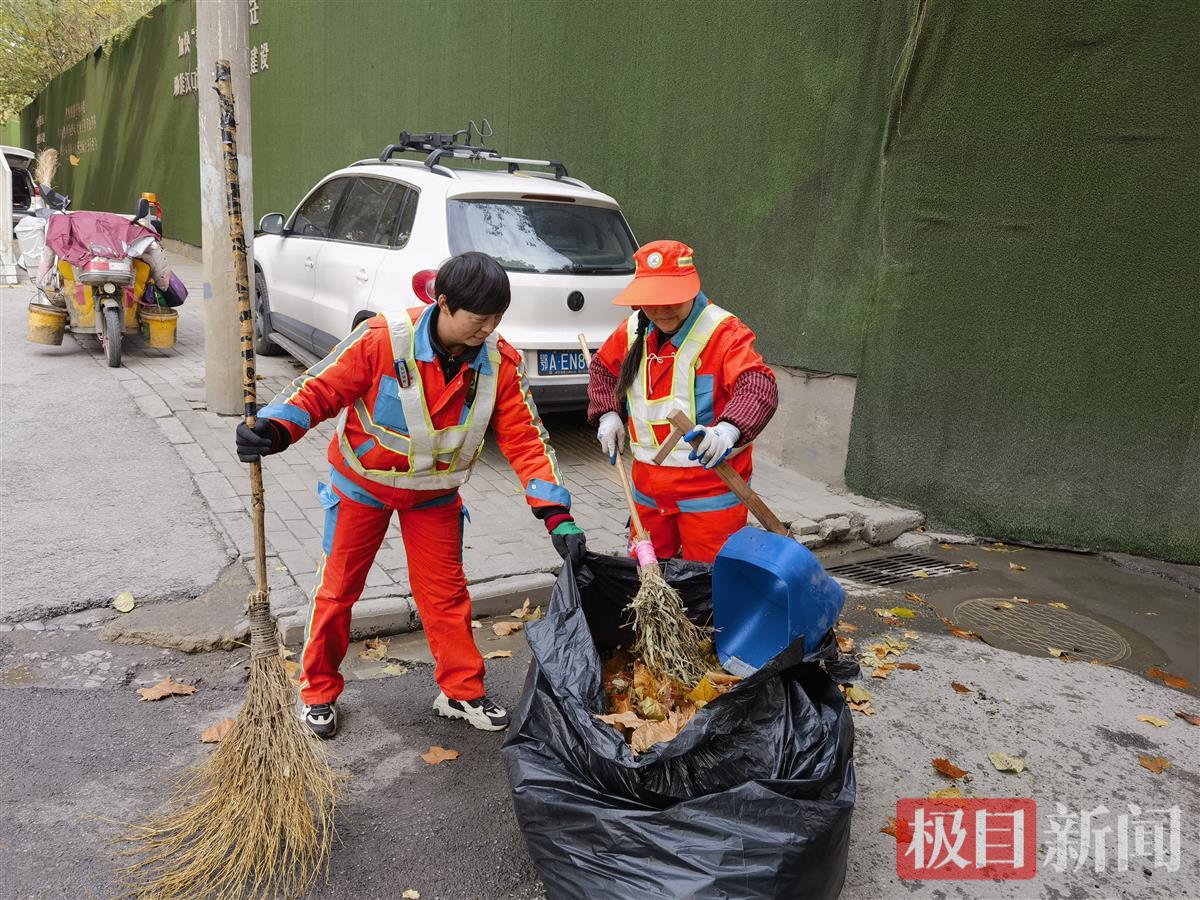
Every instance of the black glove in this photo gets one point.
(570, 542)
(263, 439)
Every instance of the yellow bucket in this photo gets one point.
(160, 326)
(46, 324)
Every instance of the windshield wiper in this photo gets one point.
(580, 269)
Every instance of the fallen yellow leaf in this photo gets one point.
(165, 688)
(1016, 567)
(1056, 653)
(1154, 720)
(1155, 764)
(902, 612)
(214, 733)
(856, 694)
(410, 894)
(913, 598)
(705, 693)
(504, 629)
(373, 648)
(498, 654)
(846, 626)
(950, 793)
(969, 564)
(1003, 604)
(628, 719)
(883, 671)
(845, 644)
(436, 755)
(920, 573)
(124, 602)
(1057, 605)
(1005, 762)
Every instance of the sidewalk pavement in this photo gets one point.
(507, 554)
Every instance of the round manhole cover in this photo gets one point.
(1037, 627)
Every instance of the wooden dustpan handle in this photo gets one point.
(736, 483)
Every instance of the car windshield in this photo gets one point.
(539, 236)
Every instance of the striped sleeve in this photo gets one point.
(523, 439)
(334, 383)
(753, 402)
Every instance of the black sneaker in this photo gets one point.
(322, 719)
(482, 713)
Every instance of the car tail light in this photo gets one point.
(422, 285)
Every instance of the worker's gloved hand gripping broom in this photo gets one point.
(668, 642)
(256, 819)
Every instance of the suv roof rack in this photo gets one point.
(441, 145)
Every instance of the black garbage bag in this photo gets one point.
(751, 800)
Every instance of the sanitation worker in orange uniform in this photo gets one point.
(414, 394)
(679, 350)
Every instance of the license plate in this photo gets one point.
(561, 362)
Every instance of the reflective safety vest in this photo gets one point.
(645, 413)
(438, 458)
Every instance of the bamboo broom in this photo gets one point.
(257, 818)
(668, 642)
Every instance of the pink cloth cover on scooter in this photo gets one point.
(79, 237)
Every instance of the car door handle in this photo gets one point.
(362, 276)
(308, 262)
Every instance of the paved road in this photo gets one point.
(78, 755)
(78, 461)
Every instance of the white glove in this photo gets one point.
(611, 435)
(718, 441)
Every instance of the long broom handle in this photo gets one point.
(635, 521)
(237, 234)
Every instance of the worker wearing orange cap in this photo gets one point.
(679, 350)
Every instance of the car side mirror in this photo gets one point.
(271, 223)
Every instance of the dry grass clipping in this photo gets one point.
(255, 820)
(668, 642)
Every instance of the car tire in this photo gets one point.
(361, 317)
(262, 311)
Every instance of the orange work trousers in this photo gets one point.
(432, 533)
(690, 535)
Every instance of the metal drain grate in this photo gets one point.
(1037, 628)
(894, 569)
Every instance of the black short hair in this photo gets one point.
(475, 282)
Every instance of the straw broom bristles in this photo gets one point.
(668, 642)
(256, 819)
(45, 166)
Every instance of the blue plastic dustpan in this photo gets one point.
(768, 591)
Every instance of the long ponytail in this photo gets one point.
(633, 357)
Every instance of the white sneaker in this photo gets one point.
(482, 713)
(322, 719)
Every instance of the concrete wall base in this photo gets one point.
(810, 432)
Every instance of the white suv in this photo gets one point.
(369, 238)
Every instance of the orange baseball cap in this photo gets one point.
(665, 275)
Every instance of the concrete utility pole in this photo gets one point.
(222, 32)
